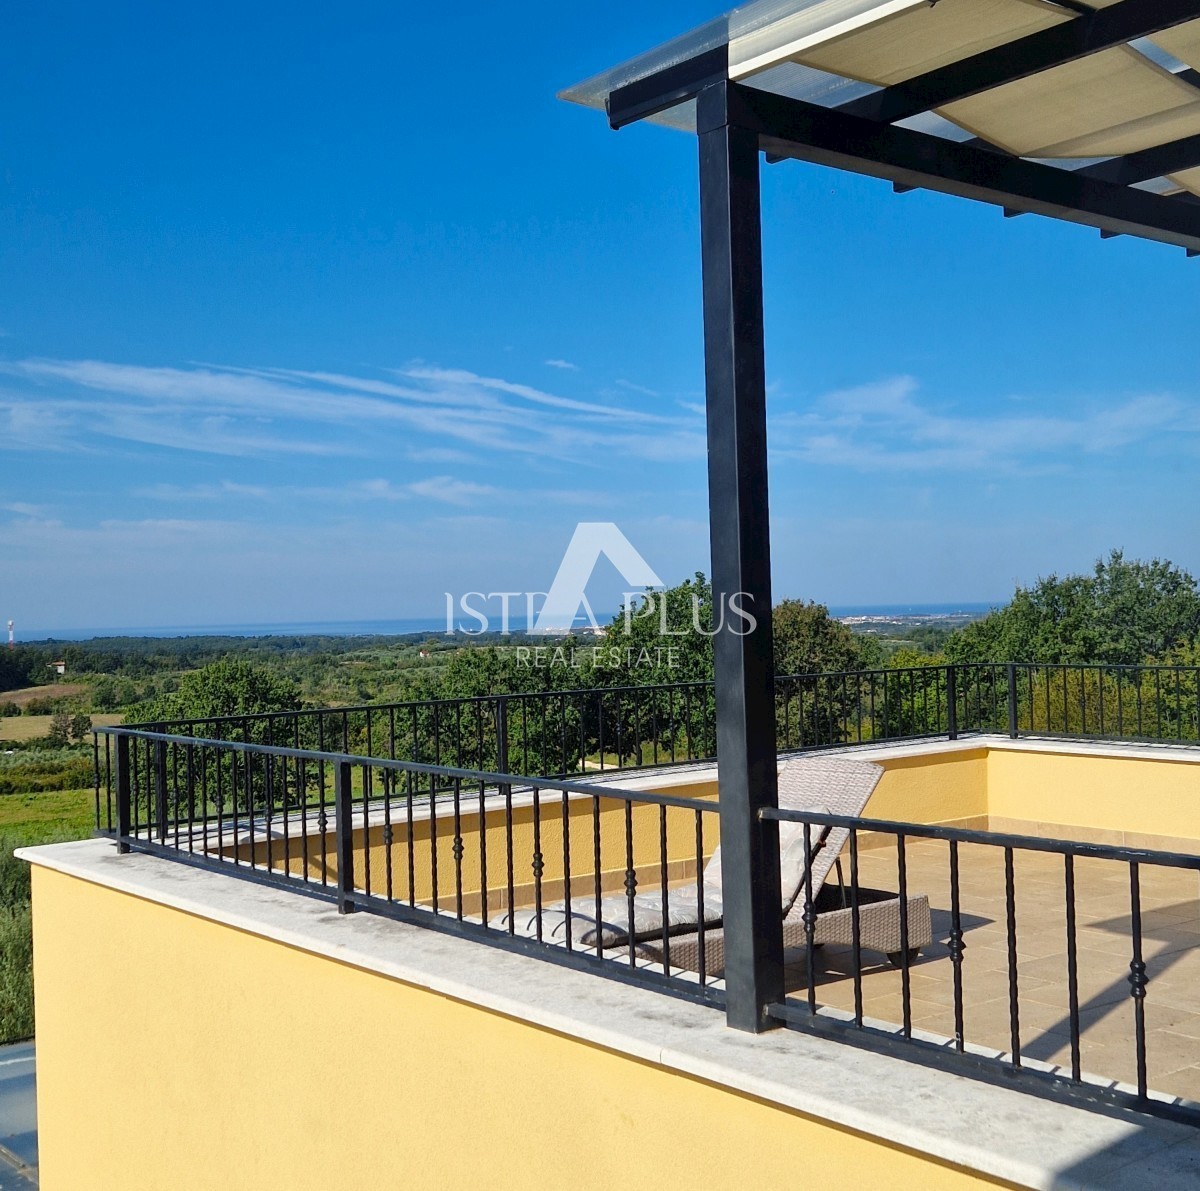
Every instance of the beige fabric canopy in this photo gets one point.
(1122, 99)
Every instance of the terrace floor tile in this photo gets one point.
(1170, 902)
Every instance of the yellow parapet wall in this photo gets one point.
(1148, 798)
(948, 788)
(176, 1052)
(650, 836)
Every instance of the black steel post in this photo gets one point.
(343, 809)
(1013, 730)
(739, 530)
(124, 801)
(502, 743)
(951, 702)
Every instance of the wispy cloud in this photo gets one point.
(423, 412)
(440, 455)
(645, 392)
(883, 426)
(191, 493)
(451, 418)
(450, 491)
(566, 365)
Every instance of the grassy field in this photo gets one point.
(55, 690)
(56, 814)
(30, 727)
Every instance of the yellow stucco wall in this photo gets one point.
(174, 1052)
(933, 788)
(385, 868)
(1148, 801)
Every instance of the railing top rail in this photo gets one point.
(473, 776)
(1094, 666)
(507, 696)
(998, 839)
(451, 700)
(1021, 675)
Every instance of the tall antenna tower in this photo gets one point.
(11, 638)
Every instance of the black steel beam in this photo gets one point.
(664, 89)
(1073, 39)
(739, 529)
(1183, 154)
(793, 128)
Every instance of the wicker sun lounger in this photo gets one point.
(823, 784)
(844, 786)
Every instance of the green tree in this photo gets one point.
(80, 727)
(809, 641)
(104, 695)
(59, 735)
(228, 687)
(1124, 613)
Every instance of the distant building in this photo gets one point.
(59, 668)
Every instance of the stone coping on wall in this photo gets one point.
(993, 1129)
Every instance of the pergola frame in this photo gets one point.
(735, 123)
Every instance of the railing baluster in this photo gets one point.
(343, 812)
(630, 878)
(483, 866)
(387, 776)
(366, 827)
(664, 875)
(855, 930)
(566, 830)
(411, 842)
(539, 864)
(458, 849)
(700, 914)
(1072, 964)
(810, 920)
(905, 956)
(433, 852)
(1137, 975)
(597, 879)
(1010, 918)
(957, 947)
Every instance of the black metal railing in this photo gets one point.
(1106, 922)
(570, 733)
(539, 865)
(414, 811)
(558, 866)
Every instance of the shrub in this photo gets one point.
(33, 771)
(16, 972)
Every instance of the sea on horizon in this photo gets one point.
(433, 625)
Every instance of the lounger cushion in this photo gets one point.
(792, 853)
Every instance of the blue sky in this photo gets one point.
(316, 313)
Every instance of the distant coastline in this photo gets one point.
(435, 626)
